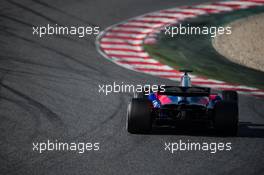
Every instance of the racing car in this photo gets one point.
(172, 105)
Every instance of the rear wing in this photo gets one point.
(184, 91)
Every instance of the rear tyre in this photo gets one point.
(140, 95)
(226, 118)
(230, 96)
(139, 116)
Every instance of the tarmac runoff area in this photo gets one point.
(245, 45)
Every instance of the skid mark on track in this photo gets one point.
(33, 11)
(52, 116)
(49, 6)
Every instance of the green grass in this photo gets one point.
(197, 53)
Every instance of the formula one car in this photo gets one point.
(183, 104)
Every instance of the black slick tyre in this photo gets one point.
(230, 96)
(139, 116)
(226, 118)
(140, 95)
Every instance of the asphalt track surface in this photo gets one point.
(49, 90)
